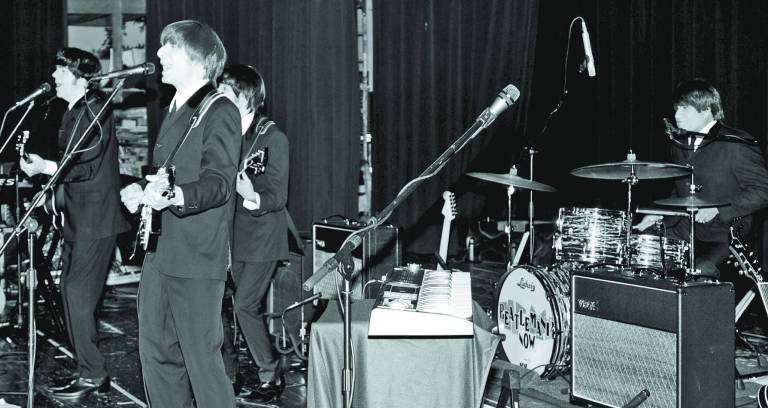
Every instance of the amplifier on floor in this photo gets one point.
(379, 253)
(629, 335)
(285, 290)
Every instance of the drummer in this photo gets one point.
(728, 165)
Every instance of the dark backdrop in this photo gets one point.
(437, 65)
(306, 52)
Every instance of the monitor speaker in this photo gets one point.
(378, 254)
(285, 290)
(630, 335)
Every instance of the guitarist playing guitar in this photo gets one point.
(261, 225)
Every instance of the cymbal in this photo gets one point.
(691, 201)
(514, 181)
(642, 170)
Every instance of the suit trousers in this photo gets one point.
(252, 280)
(83, 273)
(180, 338)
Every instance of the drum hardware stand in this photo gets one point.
(531, 153)
(508, 228)
(630, 181)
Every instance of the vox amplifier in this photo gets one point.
(630, 334)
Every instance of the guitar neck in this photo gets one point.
(444, 236)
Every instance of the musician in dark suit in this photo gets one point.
(261, 219)
(728, 165)
(182, 282)
(89, 193)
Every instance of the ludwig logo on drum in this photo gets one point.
(524, 284)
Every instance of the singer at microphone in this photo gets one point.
(146, 68)
(89, 189)
(42, 90)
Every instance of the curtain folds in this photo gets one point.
(306, 52)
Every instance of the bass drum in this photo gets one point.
(533, 312)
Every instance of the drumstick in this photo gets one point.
(521, 245)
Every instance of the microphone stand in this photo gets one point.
(18, 124)
(62, 165)
(346, 267)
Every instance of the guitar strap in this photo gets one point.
(295, 242)
(194, 122)
(261, 128)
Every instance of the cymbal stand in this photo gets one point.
(630, 181)
(692, 188)
(531, 153)
(508, 229)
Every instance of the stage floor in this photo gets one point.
(118, 328)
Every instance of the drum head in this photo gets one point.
(526, 317)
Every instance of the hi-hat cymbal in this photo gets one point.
(514, 181)
(691, 201)
(641, 169)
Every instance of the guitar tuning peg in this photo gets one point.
(751, 253)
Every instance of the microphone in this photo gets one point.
(639, 399)
(42, 90)
(146, 68)
(332, 263)
(505, 98)
(587, 49)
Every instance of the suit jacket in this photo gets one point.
(262, 234)
(195, 238)
(730, 167)
(90, 183)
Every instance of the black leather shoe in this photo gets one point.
(80, 387)
(268, 391)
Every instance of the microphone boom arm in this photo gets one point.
(18, 125)
(20, 224)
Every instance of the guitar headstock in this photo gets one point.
(449, 205)
(257, 162)
(21, 142)
(745, 259)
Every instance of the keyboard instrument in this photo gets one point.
(423, 302)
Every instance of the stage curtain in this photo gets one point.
(306, 51)
(437, 65)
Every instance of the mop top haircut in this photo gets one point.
(81, 63)
(699, 94)
(201, 44)
(247, 81)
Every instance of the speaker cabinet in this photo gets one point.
(379, 253)
(286, 290)
(628, 334)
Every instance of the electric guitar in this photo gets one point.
(449, 214)
(150, 225)
(749, 266)
(256, 162)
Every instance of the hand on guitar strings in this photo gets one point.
(156, 193)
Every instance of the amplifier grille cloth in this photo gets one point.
(613, 361)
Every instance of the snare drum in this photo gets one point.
(590, 235)
(646, 252)
(533, 313)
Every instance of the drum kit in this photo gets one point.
(533, 302)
